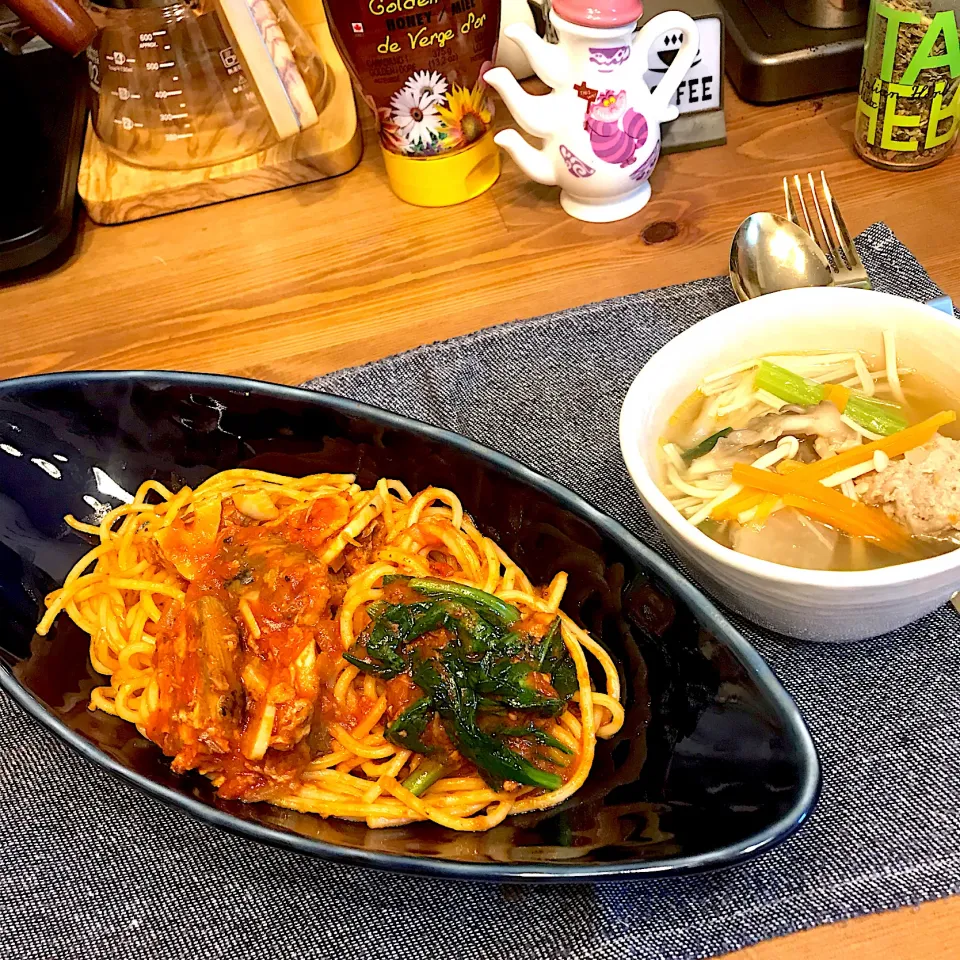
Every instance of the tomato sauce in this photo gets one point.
(242, 665)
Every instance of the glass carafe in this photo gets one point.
(171, 86)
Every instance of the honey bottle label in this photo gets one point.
(419, 65)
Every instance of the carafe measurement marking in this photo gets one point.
(119, 58)
(148, 41)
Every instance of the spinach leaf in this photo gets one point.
(407, 730)
(509, 681)
(486, 604)
(455, 699)
(483, 670)
(395, 626)
(535, 735)
(555, 659)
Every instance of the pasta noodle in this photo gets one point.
(222, 616)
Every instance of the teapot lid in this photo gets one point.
(599, 13)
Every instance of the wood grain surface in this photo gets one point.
(289, 284)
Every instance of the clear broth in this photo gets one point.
(925, 397)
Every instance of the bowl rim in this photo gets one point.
(637, 398)
(724, 629)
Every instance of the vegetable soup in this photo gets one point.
(832, 461)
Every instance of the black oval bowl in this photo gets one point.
(713, 765)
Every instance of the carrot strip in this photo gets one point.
(838, 519)
(837, 394)
(852, 515)
(809, 475)
(892, 446)
(732, 508)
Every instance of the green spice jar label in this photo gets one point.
(419, 64)
(909, 103)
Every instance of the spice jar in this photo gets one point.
(907, 112)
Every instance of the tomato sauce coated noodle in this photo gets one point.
(365, 654)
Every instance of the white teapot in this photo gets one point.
(601, 123)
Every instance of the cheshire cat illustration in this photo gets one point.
(599, 105)
(616, 131)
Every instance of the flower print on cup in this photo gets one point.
(428, 83)
(417, 119)
(574, 164)
(605, 59)
(642, 173)
(427, 116)
(466, 115)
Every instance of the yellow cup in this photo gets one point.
(444, 180)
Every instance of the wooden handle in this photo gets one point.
(64, 23)
(268, 60)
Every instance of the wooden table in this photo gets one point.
(291, 284)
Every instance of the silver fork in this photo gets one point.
(845, 263)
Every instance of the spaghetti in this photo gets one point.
(363, 654)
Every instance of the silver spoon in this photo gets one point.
(770, 253)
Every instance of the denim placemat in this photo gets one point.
(90, 868)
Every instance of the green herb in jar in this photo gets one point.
(907, 112)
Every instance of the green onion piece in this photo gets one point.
(881, 417)
(705, 446)
(880, 401)
(877, 416)
(424, 777)
(787, 386)
(480, 600)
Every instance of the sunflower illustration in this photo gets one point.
(466, 116)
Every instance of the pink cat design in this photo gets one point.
(616, 131)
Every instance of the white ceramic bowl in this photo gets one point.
(811, 604)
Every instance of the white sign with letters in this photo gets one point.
(700, 89)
